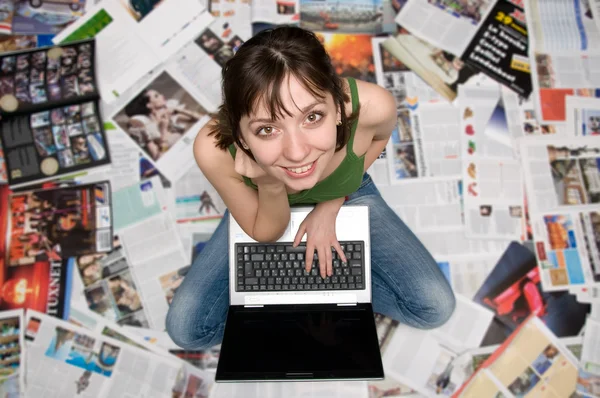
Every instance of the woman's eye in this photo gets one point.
(265, 131)
(314, 117)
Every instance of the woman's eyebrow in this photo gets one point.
(303, 110)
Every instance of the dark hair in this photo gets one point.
(257, 71)
(139, 105)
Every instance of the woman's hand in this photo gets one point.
(319, 227)
(245, 166)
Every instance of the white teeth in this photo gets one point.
(300, 170)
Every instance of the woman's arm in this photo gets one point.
(263, 215)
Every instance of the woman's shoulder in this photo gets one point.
(377, 107)
(209, 156)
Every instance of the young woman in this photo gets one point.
(290, 131)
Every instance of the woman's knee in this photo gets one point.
(436, 308)
(188, 333)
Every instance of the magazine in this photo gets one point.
(489, 35)
(51, 122)
(42, 284)
(49, 224)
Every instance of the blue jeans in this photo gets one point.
(407, 284)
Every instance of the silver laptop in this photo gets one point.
(286, 324)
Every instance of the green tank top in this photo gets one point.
(343, 181)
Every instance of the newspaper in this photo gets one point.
(588, 380)
(234, 13)
(280, 12)
(490, 35)
(434, 362)
(440, 69)
(135, 283)
(532, 362)
(564, 45)
(12, 349)
(583, 116)
(304, 389)
(67, 360)
(405, 85)
(466, 273)
(563, 188)
(491, 173)
(356, 16)
(128, 42)
(522, 120)
(162, 115)
(351, 54)
(432, 209)
(199, 61)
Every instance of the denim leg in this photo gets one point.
(407, 284)
(196, 317)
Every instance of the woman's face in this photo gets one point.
(155, 100)
(296, 148)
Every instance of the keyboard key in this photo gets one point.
(356, 271)
(258, 257)
(298, 249)
(251, 281)
(270, 249)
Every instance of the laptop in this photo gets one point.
(286, 325)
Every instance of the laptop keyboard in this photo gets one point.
(280, 266)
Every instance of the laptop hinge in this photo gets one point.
(254, 306)
(346, 304)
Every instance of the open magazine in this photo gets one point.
(490, 35)
(49, 105)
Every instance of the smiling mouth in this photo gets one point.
(300, 170)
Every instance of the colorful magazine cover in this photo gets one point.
(49, 224)
(41, 284)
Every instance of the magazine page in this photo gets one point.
(40, 79)
(12, 353)
(531, 363)
(199, 62)
(162, 117)
(305, 389)
(7, 13)
(438, 68)
(563, 188)
(437, 361)
(564, 42)
(128, 43)
(235, 13)
(54, 143)
(45, 17)
(466, 273)
(493, 204)
(513, 291)
(583, 116)
(280, 12)
(347, 17)
(48, 224)
(589, 368)
(100, 366)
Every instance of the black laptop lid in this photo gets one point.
(300, 342)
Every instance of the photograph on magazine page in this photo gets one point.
(576, 176)
(158, 116)
(472, 10)
(140, 9)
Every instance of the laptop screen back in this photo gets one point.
(300, 342)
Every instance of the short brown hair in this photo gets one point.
(257, 71)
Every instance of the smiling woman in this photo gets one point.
(288, 132)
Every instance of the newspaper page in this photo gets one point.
(12, 350)
(583, 116)
(100, 366)
(355, 16)
(405, 85)
(304, 389)
(489, 35)
(432, 209)
(434, 362)
(466, 273)
(162, 116)
(588, 380)
(491, 173)
(280, 12)
(564, 53)
(134, 284)
(523, 121)
(531, 363)
(563, 188)
(440, 69)
(513, 291)
(235, 13)
(127, 39)
(199, 61)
